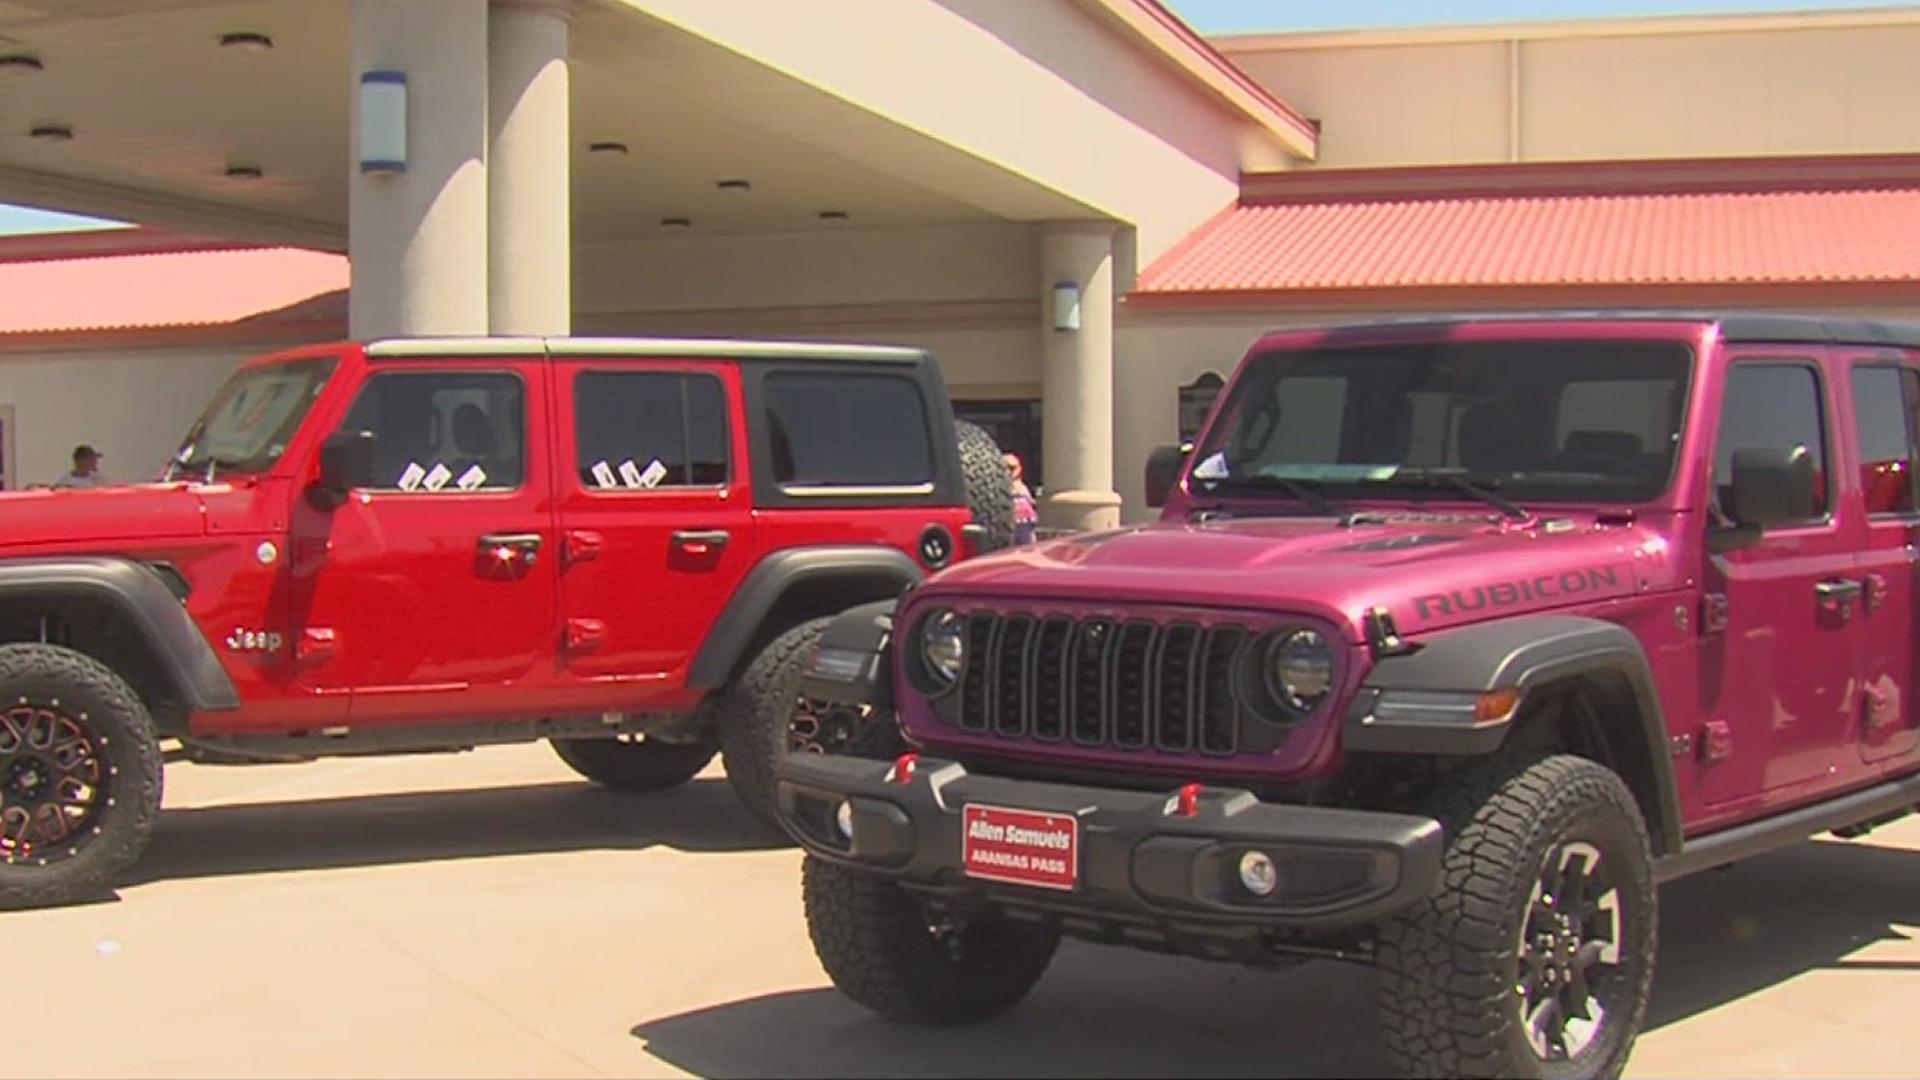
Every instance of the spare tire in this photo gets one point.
(989, 488)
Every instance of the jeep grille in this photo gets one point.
(1129, 684)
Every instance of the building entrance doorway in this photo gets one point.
(1015, 425)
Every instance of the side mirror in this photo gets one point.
(346, 462)
(1163, 469)
(1771, 485)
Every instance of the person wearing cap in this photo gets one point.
(86, 470)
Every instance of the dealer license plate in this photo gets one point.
(1022, 847)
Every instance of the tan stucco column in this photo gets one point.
(1077, 382)
(529, 257)
(418, 238)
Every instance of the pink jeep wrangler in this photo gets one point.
(1455, 639)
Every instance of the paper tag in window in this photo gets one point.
(438, 478)
(603, 475)
(471, 479)
(1214, 468)
(630, 474)
(653, 474)
(410, 477)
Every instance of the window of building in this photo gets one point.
(837, 430)
(443, 431)
(650, 429)
(1772, 405)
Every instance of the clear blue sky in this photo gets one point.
(1247, 16)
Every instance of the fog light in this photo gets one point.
(843, 819)
(1258, 875)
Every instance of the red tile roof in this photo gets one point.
(163, 289)
(1802, 231)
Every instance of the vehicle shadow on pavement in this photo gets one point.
(1726, 934)
(1112, 1012)
(376, 830)
(1100, 1011)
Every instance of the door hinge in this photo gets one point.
(1713, 612)
(585, 635)
(1718, 744)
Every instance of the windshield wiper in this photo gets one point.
(1307, 491)
(1479, 487)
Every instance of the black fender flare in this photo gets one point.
(138, 594)
(735, 630)
(853, 665)
(1519, 653)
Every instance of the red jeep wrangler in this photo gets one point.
(408, 545)
(1454, 640)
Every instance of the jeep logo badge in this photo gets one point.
(936, 547)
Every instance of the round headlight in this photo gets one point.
(943, 645)
(1300, 670)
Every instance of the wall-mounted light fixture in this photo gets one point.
(1066, 305)
(51, 132)
(383, 122)
(247, 41)
(20, 64)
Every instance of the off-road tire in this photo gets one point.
(989, 488)
(101, 704)
(629, 765)
(876, 945)
(1450, 969)
(755, 715)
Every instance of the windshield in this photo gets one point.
(247, 427)
(1584, 421)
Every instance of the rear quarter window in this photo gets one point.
(848, 430)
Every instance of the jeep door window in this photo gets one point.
(1772, 405)
(832, 432)
(443, 431)
(638, 430)
(1884, 400)
(1547, 420)
(247, 427)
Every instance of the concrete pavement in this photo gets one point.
(486, 914)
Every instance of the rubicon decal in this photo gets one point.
(1499, 594)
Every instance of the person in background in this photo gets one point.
(86, 470)
(1026, 515)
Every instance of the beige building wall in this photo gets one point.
(133, 406)
(1819, 83)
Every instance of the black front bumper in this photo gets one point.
(1142, 865)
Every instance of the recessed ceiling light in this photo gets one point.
(676, 222)
(247, 40)
(21, 63)
(607, 148)
(51, 132)
(245, 172)
(734, 185)
(833, 215)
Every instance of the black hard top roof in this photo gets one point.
(1738, 326)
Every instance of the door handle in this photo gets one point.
(1837, 592)
(701, 541)
(506, 546)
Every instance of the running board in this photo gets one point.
(1759, 837)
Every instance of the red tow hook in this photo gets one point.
(903, 768)
(1187, 802)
